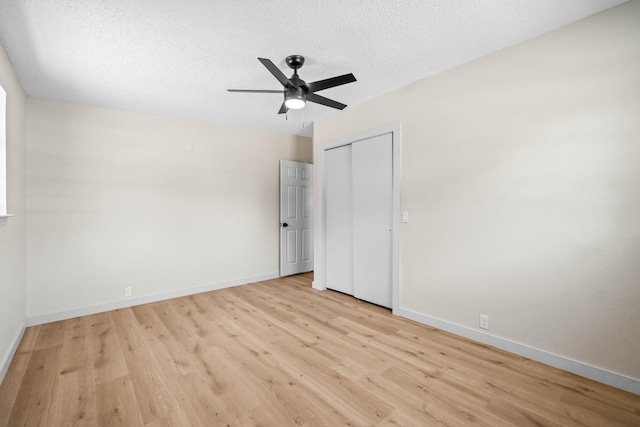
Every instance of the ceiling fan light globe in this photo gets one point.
(294, 103)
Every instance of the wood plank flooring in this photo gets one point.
(279, 353)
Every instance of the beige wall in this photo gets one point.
(521, 173)
(118, 199)
(13, 235)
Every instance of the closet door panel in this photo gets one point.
(339, 219)
(372, 186)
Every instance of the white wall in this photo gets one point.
(117, 199)
(521, 173)
(13, 234)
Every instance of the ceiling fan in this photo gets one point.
(296, 91)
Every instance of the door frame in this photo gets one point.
(320, 218)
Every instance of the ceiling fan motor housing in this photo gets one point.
(295, 95)
(297, 82)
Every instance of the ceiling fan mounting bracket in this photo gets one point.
(295, 61)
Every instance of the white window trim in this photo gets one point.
(3, 158)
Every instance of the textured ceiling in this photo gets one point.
(178, 57)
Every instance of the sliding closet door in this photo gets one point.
(372, 174)
(339, 220)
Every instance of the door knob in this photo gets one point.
(284, 224)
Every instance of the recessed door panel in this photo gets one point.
(307, 238)
(307, 201)
(292, 246)
(292, 202)
(292, 172)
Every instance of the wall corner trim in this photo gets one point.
(318, 286)
(11, 351)
(604, 376)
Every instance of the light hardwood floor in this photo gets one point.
(279, 353)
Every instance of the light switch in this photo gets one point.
(405, 216)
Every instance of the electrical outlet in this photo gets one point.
(127, 291)
(484, 321)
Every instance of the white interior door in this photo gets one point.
(372, 218)
(339, 220)
(296, 217)
(358, 204)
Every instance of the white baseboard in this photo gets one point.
(130, 302)
(11, 351)
(592, 372)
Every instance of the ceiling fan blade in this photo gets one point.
(312, 97)
(276, 72)
(332, 82)
(254, 91)
(283, 109)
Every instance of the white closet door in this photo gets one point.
(372, 174)
(339, 220)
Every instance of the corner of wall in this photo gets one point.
(5, 362)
